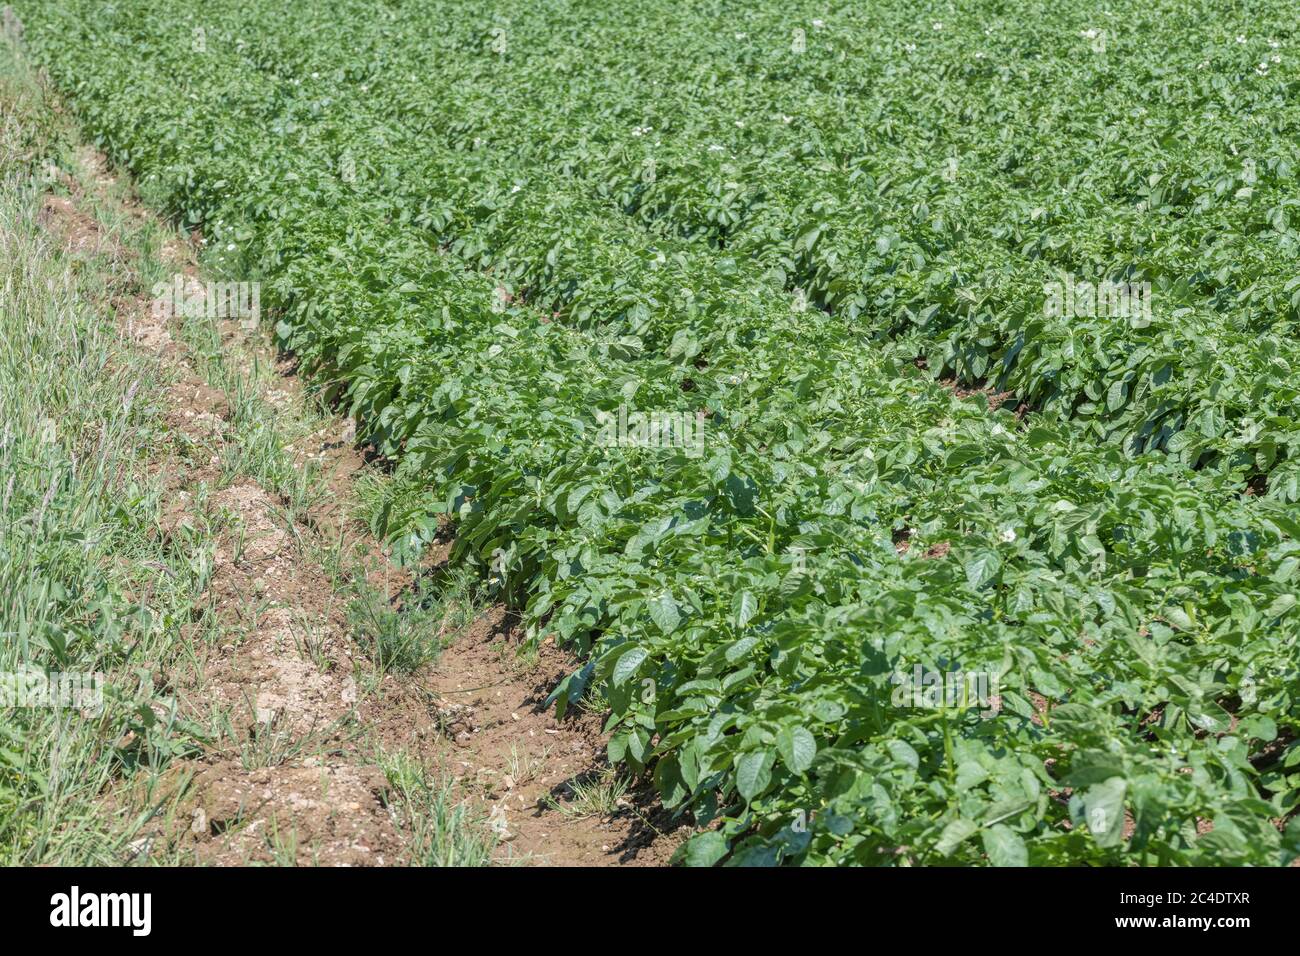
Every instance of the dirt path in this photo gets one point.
(315, 750)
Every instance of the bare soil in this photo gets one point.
(296, 780)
